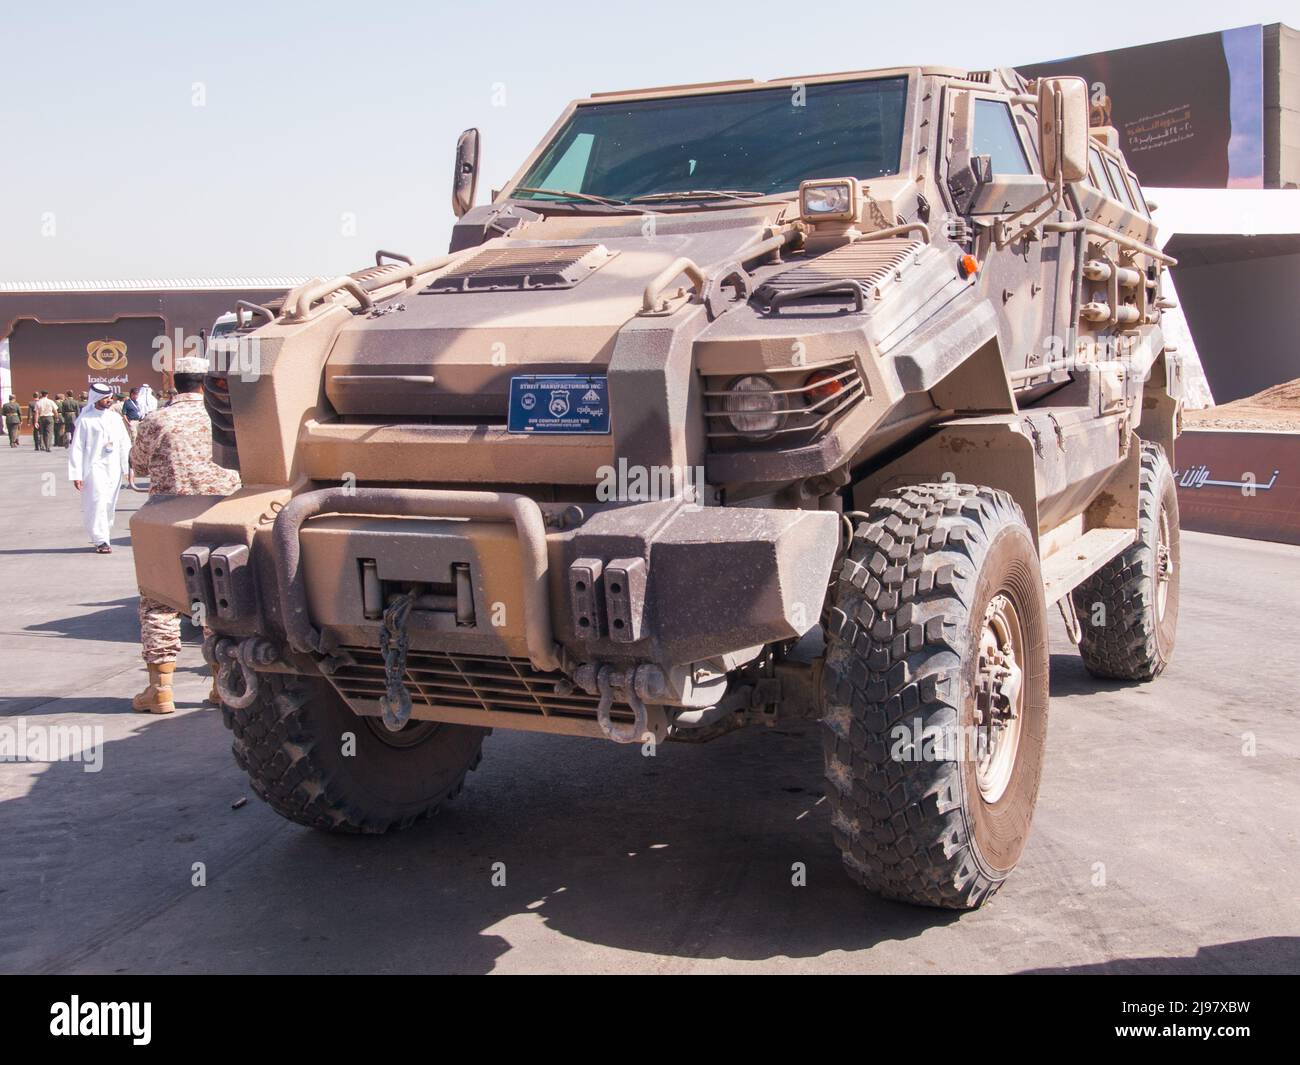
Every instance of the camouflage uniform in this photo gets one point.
(69, 408)
(13, 415)
(173, 448)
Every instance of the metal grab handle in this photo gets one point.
(847, 286)
(310, 297)
(414, 503)
(650, 301)
(897, 231)
(253, 309)
(1096, 229)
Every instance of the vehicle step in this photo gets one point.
(1080, 559)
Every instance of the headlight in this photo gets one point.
(829, 200)
(752, 406)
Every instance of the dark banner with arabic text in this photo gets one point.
(1240, 484)
(1190, 112)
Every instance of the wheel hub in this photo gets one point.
(1164, 563)
(999, 697)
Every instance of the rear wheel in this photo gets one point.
(317, 763)
(1128, 609)
(935, 695)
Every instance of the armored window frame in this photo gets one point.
(1012, 126)
(1097, 176)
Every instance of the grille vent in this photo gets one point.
(520, 268)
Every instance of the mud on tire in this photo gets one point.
(291, 741)
(1128, 609)
(910, 607)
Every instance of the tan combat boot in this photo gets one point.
(157, 698)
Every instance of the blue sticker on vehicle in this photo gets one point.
(561, 403)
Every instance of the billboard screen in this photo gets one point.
(1190, 112)
(61, 356)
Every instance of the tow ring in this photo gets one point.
(619, 733)
(230, 661)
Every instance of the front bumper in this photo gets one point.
(666, 583)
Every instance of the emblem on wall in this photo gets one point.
(106, 355)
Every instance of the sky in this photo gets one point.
(165, 140)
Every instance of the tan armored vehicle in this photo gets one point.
(740, 403)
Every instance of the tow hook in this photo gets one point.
(235, 658)
(605, 679)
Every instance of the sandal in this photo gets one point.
(103, 549)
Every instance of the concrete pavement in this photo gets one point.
(1167, 837)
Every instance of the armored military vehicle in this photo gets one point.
(739, 403)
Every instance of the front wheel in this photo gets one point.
(314, 761)
(935, 693)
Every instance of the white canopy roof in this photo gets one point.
(1248, 212)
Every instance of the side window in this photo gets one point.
(995, 136)
(1097, 173)
(1122, 192)
(1139, 197)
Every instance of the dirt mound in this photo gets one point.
(1276, 409)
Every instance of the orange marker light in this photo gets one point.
(969, 265)
(822, 384)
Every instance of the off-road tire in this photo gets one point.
(907, 612)
(291, 743)
(1126, 636)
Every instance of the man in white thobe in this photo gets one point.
(97, 462)
(147, 402)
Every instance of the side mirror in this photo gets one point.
(1063, 128)
(464, 182)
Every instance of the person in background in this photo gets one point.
(96, 464)
(69, 408)
(13, 415)
(173, 447)
(33, 419)
(131, 411)
(146, 400)
(60, 434)
(46, 412)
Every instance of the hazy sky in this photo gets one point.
(184, 140)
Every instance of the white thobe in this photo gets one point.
(98, 458)
(147, 402)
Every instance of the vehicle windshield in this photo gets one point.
(739, 143)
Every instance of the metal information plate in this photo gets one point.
(559, 403)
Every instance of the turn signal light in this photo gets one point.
(968, 265)
(822, 384)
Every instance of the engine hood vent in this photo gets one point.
(521, 268)
(868, 262)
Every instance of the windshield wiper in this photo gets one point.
(584, 197)
(743, 195)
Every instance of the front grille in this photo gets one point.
(515, 268)
(216, 400)
(472, 682)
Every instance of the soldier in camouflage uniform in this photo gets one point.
(173, 448)
(69, 408)
(13, 415)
